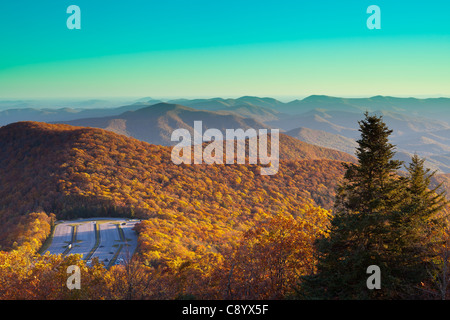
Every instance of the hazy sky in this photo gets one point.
(224, 48)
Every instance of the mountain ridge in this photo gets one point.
(414, 121)
(155, 124)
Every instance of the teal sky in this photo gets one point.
(224, 48)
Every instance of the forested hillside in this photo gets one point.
(196, 217)
(208, 231)
(78, 172)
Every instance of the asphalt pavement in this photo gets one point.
(112, 241)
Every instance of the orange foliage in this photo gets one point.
(194, 215)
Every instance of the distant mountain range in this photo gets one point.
(60, 114)
(220, 103)
(434, 108)
(155, 124)
(324, 139)
(419, 126)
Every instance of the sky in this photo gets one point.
(230, 48)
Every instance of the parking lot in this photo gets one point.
(112, 241)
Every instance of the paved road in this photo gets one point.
(116, 244)
(62, 237)
(130, 241)
(109, 242)
(85, 239)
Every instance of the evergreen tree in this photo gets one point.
(417, 230)
(360, 228)
(380, 219)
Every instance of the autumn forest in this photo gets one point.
(222, 231)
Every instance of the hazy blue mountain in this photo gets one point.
(419, 126)
(205, 104)
(155, 124)
(248, 110)
(435, 108)
(324, 139)
(440, 163)
(346, 123)
(429, 138)
(424, 146)
(319, 102)
(342, 123)
(61, 103)
(61, 114)
(270, 103)
(220, 103)
(443, 161)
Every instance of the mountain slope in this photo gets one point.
(427, 137)
(294, 149)
(155, 124)
(221, 103)
(324, 139)
(335, 122)
(251, 111)
(441, 164)
(61, 114)
(425, 146)
(189, 210)
(80, 172)
(435, 108)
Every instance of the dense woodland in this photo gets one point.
(208, 231)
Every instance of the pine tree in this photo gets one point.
(360, 229)
(417, 230)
